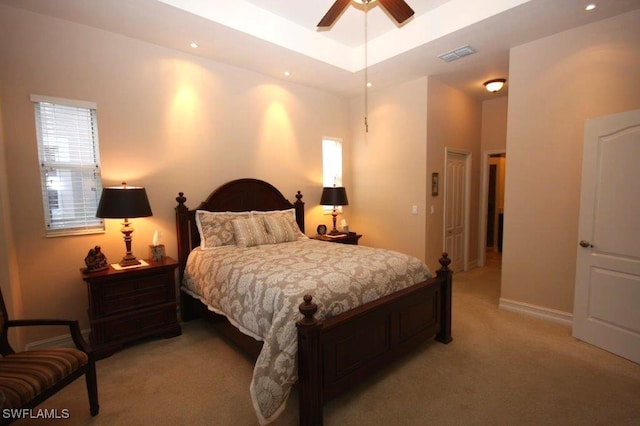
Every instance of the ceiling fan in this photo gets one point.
(399, 9)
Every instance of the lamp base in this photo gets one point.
(334, 231)
(129, 260)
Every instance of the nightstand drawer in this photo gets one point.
(133, 294)
(143, 323)
(141, 284)
(126, 302)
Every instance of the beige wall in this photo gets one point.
(393, 162)
(388, 167)
(9, 276)
(493, 136)
(453, 121)
(555, 84)
(168, 121)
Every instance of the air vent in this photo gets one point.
(458, 53)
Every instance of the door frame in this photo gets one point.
(467, 202)
(484, 194)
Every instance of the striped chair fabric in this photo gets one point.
(25, 375)
(30, 377)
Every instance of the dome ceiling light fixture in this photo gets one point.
(494, 85)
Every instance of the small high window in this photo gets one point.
(331, 162)
(331, 165)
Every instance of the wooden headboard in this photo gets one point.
(235, 196)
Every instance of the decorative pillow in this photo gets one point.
(279, 229)
(250, 232)
(289, 215)
(216, 228)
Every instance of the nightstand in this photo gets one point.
(343, 238)
(129, 304)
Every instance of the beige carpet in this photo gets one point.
(501, 369)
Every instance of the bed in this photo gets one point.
(303, 308)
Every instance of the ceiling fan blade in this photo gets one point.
(399, 9)
(334, 12)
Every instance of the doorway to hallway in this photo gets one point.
(492, 206)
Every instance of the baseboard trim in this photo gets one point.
(472, 264)
(64, 341)
(561, 317)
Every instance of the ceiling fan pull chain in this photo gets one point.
(366, 73)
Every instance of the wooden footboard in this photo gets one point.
(336, 354)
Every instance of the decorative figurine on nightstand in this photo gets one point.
(96, 260)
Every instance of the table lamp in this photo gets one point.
(124, 202)
(334, 196)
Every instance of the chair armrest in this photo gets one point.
(73, 325)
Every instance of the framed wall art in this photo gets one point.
(434, 184)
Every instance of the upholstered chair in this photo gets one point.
(30, 377)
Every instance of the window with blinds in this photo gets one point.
(67, 133)
(331, 165)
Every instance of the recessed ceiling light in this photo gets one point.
(287, 74)
(590, 6)
(194, 45)
(369, 84)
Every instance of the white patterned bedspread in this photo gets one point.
(259, 290)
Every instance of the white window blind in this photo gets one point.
(69, 165)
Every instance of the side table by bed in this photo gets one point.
(342, 238)
(129, 304)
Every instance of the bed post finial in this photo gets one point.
(444, 262)
(308, 309)
(181, 199)
(445, 275)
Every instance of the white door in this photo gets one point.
(455, 197)
(607, 291)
